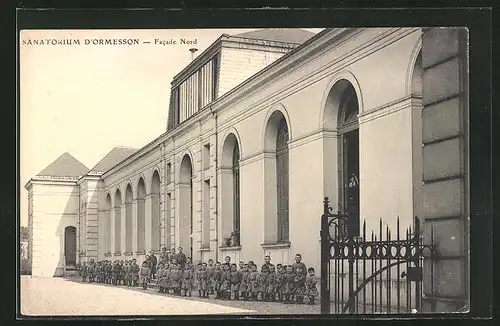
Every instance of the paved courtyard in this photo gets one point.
(68, 296)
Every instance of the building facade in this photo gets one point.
(260, 129)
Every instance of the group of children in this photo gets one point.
(226, 281)
(117, 272)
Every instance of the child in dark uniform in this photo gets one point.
(244, 283)
(107, 272)
(280, 289)
(134, 270)
(210, 276)
(196, 280)
(299, 285)
(253, 282)
(289, 286)
(263, 282)
(272, 281)
(235, 278)
(159, 276)
(187, 280)
(176, 277)
(144, 275)
(311, 289)
(202, 281)
(217, 279)
(84, 272)
(225, 288)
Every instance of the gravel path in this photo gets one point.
(68, 296)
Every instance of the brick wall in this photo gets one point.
(239, 64)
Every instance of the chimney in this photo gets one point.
(193, 50)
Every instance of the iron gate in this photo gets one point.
(378, 272)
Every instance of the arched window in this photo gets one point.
(349, 135)
(236, 189)
(282, 181)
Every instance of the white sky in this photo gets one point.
(85, 99)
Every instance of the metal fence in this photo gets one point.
(370, 273)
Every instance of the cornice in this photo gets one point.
(51, 180)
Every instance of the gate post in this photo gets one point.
(325, 260)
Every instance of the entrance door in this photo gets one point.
(70, 246)
(351, 180)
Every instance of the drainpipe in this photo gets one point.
(217, 189)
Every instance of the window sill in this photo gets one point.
(276, 245)
(203, 249)
(108, 254)
(142, 252)
(117, 254)
(129, 253)
(233, 248)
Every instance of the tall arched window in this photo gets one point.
(349, 135)
(282, 181)
(236, 189)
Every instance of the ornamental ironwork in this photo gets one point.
(379, 272)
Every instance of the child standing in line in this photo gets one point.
(84, 271)
(210, 276)
(134, 269)
(263, 281)
(253, 282)
(217, 279)
(159, 275)
(187, 280)
(311, 289)
(202, 281)
(289, 286)
(196, 281)
(281, 282)
(299, 285)
(244, 283)
(109, 272)
(144, 275)
(176, 276)
(235, 278)
(225, 288)
(165, 277)
(90, 271)
(271, 286)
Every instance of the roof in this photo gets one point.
(289, 35)
(64, 166)
(115, 156)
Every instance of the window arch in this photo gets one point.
(276, 178)
(230, 189)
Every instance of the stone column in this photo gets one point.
(112, 215)
(445, 167)
(123, 227)
(148, 222)
(134, 226)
